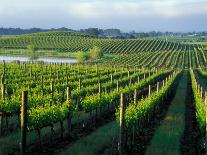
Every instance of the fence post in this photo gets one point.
(24, 122)
(122, 124)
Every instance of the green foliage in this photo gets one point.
(95, 53)
(139, 111)
(82, 56)
(199, 103)
(91, 102)
(31, 48)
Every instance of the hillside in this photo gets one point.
(130, 52)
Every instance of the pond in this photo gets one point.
(44, 59)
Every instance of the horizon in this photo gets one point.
(126, 15)
(79, 30)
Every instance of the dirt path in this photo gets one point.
(167, 138)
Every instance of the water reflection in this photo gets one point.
(44, 59)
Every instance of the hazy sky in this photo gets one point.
(138, 15)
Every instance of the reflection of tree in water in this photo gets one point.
(34, 57)
(32, 50)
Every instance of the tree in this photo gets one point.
(31, 48)
(92, 31)
(95, 53)
(82, 56)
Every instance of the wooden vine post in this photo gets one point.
(24, 122)
(130, 82)
(149, 91)
(122, 124)
(79, 87)
(42, 84)
(96, 69)
(3, 90)
(135, 96)
(158, 87)
(52, 89)
(3, 96)
(100, 93)
(99, 89)
(111, 78)
(117, 85)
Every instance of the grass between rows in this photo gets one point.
(168, 136)
(94, 143)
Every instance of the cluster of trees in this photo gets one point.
(18, 31)
(92, 55)
(112, 33)
(102, 33)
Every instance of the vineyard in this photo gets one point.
(150, 98)
(127, 52)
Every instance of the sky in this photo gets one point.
(127, 15)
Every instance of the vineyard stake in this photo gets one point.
(163, 83)
(69, 115)
(122, 123)
(100, 89)
(96, 69)
(52, 88)
(117, 85)
(158, 87)
(111, 78)
(135, 96)
(3, 86)
(206, 119)
(24, 122)
(130, 82)
(42, 84)
(79, 84)
(149, 93)
(1, 121)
